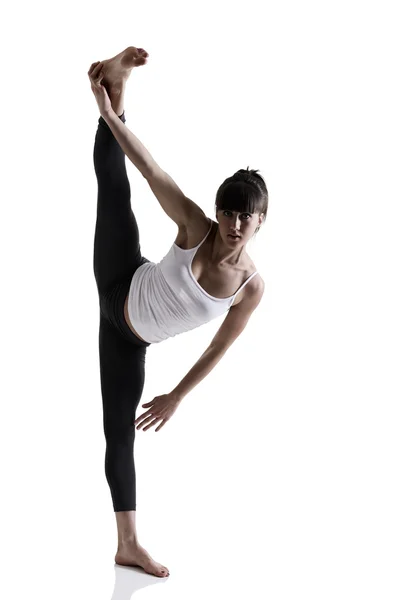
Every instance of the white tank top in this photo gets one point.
(165, 299)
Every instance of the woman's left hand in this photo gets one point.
(98, 89)
(161, 409)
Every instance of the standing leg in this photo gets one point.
(122, 372)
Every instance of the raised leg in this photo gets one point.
(117, 71)
(116, 246)
(117, 98)
(117, 251)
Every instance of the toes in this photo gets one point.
(141, 56)
(140, 60)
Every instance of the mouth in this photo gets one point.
(230, 235)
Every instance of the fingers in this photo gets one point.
(162, 425)
(144, 415)
(148, 420)
(159, 409)
(153, 422)
(143, 419)
(94, 72)
(148, 403)
(92, 66)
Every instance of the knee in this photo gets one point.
(117, 434)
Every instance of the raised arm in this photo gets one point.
(173, 201)
(130, 144)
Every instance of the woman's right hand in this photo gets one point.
(102, 98)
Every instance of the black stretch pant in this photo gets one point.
(117, 255)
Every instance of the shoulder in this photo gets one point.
(195, 229)
(256, 288)
(197, 222)
(250, 296)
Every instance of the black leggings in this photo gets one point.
(117, 255)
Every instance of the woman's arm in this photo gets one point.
(130, 144)
(204, 365)
(233, 325)
(173, 201)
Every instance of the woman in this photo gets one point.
(206, 273)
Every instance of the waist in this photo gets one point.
(112, 306)
(127, 319)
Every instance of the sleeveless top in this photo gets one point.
(165, 299)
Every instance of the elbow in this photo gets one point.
(218, 348)
(146, 172)
(150, 169)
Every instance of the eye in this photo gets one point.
(247, 215)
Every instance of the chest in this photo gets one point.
(218, 281)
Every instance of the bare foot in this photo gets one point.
(117, 70)
(132, 555)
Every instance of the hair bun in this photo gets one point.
(249, 175)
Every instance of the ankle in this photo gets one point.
(117, 106)
(128, 542)
(116, 95)
(126, 527)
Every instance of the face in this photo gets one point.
(241, 224)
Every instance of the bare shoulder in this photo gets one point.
(196, 227)
(239, 314)
(257, 286)
(250, 296)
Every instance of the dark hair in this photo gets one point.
(245, 191)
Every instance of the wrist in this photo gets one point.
(108, 115)
(177, 395)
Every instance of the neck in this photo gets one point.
(223, 255)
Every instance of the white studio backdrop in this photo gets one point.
(278, 475)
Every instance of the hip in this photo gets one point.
(128, 321)
(114, 307)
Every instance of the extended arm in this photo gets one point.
(203, 366)
(231, 328)
(173, 201)
(130, 144)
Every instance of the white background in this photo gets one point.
(278, 476)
